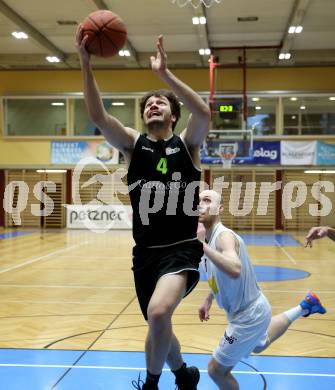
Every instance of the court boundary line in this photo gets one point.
(291, 258)
(164, 369)
(108, 327)
(36, 259)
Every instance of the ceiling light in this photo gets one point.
(295, 29)
(50, 170)
(57, 104)
(118, 103)
(302, 107)
(293, 117)
(124, 53)
(258, 107)
(199, 20)
(284, 56)
(204, 52)
(294, 99)
(52, 59)
(19, 35)
(332, 98)
(255, 99)
(318, 171)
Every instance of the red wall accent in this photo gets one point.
(207, 176)
(279, 224)
(69, 186)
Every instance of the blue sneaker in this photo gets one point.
(312, 303)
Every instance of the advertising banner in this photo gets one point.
(325, 153)
(266, 152)
(298, 152)
(71, 152)
(98, 217)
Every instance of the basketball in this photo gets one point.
(106, 32)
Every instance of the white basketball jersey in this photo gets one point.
(233, 295)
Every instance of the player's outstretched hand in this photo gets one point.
(159, 63)
(314, 234)
(81, 45)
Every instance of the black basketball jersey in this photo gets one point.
(165, 193)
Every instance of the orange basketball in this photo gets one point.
(106, 32)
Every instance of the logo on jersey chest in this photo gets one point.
(148, 149)
(169, 151)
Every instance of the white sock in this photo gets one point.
(295, 313)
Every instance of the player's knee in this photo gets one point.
(216, 370)
(159, 314)
(258, 350)
(261, 348)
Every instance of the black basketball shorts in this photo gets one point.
(149, 264)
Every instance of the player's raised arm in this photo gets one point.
(198, 124)
(226, 257)
(114, 131)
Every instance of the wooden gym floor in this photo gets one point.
(73, 290)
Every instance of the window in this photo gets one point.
(309, 115)
(25, 117)
(123, 109)
(262, 115)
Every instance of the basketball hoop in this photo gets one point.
(195, 3)
(227, 159)
(227, 152)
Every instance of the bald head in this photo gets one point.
(214, 197)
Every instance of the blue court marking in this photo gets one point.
(22, 369)
(261, 239)
(268, 273)
(41, 369)
(13, 234)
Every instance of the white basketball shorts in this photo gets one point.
(246, 332)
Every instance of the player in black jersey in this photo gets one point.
(164, 176)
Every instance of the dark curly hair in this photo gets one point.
(172, 98)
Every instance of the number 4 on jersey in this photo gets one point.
(162, 166)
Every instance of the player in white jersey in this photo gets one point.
(233, 284)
